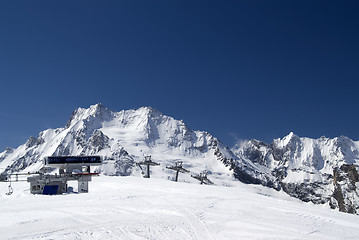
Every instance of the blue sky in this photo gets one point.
(237, 69)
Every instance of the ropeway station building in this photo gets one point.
(70, 168)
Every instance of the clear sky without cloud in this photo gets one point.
(237, 69)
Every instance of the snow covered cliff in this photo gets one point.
(323, 171)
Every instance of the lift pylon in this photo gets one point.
(202, 177)
(148, 162)
(178, 168)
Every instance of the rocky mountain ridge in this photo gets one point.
(322, 171)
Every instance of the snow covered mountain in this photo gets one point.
(125, 138)
(323, 170)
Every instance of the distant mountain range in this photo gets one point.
(323, 171)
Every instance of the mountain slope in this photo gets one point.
(318, 170)
(126, 137)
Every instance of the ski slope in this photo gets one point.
(137, 208)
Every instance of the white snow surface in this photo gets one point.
(137, 208)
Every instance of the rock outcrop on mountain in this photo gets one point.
(322, 171)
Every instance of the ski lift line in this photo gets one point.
(180, 169)
(8, 179)
(15, 181)
(149, 163)
(4, 177)
(28, 173)
(142, 172)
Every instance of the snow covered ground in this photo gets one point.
(138, 208)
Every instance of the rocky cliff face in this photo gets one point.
(323, 171)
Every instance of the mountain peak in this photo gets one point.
(96, 110)
(97, 107)
(290, 135)
(150, 110)
(286, 140)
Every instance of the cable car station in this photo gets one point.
(70, 168)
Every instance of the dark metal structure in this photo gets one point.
(202, 177)
(148, 162)
(178, 168)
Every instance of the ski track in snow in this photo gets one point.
(136, 208)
